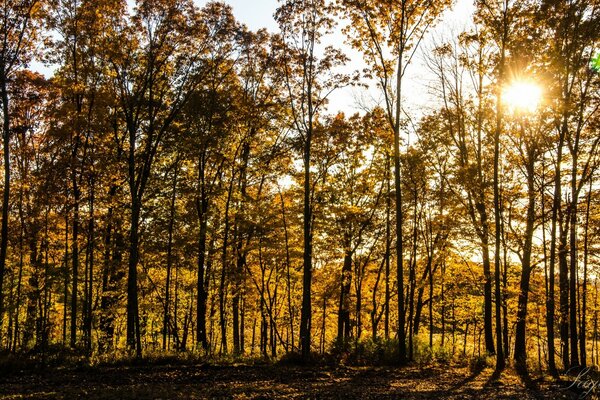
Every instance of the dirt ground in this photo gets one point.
(272, 382)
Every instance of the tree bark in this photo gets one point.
(520, 355)
(306, 311)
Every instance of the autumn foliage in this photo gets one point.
(181, 183)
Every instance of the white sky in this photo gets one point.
(258, 14)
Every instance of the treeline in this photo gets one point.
(179, 183)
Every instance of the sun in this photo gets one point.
(522, 96)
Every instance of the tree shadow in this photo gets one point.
(494, 378)
(528, 382)
(526, 379)
(474, 374)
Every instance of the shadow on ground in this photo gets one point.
(273, 382)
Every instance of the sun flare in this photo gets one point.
(522, 96)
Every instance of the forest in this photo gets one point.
(181, 186)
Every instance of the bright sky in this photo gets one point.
(254, 13)
(258, 14)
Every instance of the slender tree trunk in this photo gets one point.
(167, 308)
(550, 305)
(288, 266)
(90, 279)
(426, 276)
(500, 362)
(487, 285)
(239, 246)
(306, 312)
(465, 338)
(6, 189)
(74, 261)
(343, 331)
(564, 291)
(20, 276)
(483, 215)
(375, 313)
(582, 335)
(520, 335)
(359, 281)
(133, 320)
(431, 309)
(399, 216)
(443, 304)
(202, 208)
(224, 266)
(323, 325)
(550, 302)
(412, 279)
(573, 328)
(505, 265)
(388, 245)
(595, 341)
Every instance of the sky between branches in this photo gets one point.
(258, 14)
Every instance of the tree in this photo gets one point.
(575, 24)
(154, 61)
(497, 19)
(388, 35)
(353, 197)
(19, 32)
(310, 78)
(30, 95)
(466, 110)
(527, 138)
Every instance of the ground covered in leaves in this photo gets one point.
(272, 382)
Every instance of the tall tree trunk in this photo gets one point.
(582, 334)
(104, 343)
(15, 336)
(421, 292)
(224, 267)
(133, 319)
(431, 309)
(520, 334)
(399, 215)
(412, 279)
(287, 269)
(443, 303)
(500, 362)
(388, 245)
(306, 311)
(239, 246)
(563, 283)
(483, 213)
(90, 279)
(343, 332)
(550, 301)
(487, 286)
(505, 265)
(375, 313)
(167, 308)
(74, 261)
(202, 208)
(6, 189)
(573, 328)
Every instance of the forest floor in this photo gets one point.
(272, 382)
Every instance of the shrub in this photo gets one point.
(367, 351)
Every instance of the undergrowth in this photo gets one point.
(364, 352)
